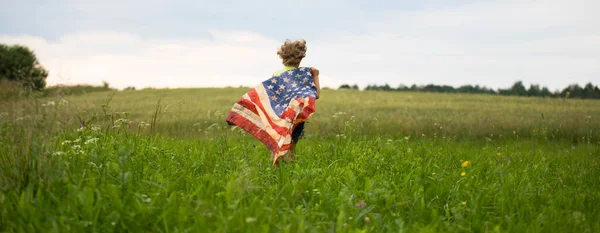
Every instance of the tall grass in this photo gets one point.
(463, 116)
(389, 162)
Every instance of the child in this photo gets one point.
(275, 111)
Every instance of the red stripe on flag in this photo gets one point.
(248, 105)
(307, 110)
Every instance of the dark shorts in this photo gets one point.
(298, 133)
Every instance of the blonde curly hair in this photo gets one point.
(292, 52)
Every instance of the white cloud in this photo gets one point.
(232, 58)
(494, 43)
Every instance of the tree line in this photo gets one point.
(589, 91)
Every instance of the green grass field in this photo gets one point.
(166, 161)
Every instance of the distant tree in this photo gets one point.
(518, 89)
(545, 92)
(344, 86)
(466, 89)
(355, 87)
(588, 91)
(18, 63)
(386, 87)
(402, 87)
(574, 90)
(436, 88)
(372, 88)
(534, 90)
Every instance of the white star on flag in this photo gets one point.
(270, 87)
(281, 87)
(274, 98)
(286, 79)
(294, 85)
(274, 81)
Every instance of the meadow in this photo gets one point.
(166, 161)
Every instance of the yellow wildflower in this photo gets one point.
(499, 153)
(464, 203)
(433, 174)
(463, 174)
(465, 163)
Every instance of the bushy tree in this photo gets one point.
(534, 90)
(588, 92)
(344, 86)
(19, 64)
(574, 90)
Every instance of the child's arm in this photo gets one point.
(315, 74)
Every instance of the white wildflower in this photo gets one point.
(91, 141)
(316, 191)
(121, 121)
(51, 103)
(77, 140)
(340, 136)
(146, 199)
(58, 153)
(250, 219)
(63, 102)
(76, 147)
(143, 125)
(65, 142)
(81, 129)
(95, 128)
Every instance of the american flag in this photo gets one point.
(271, 110)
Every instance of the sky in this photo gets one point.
(197, 43)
